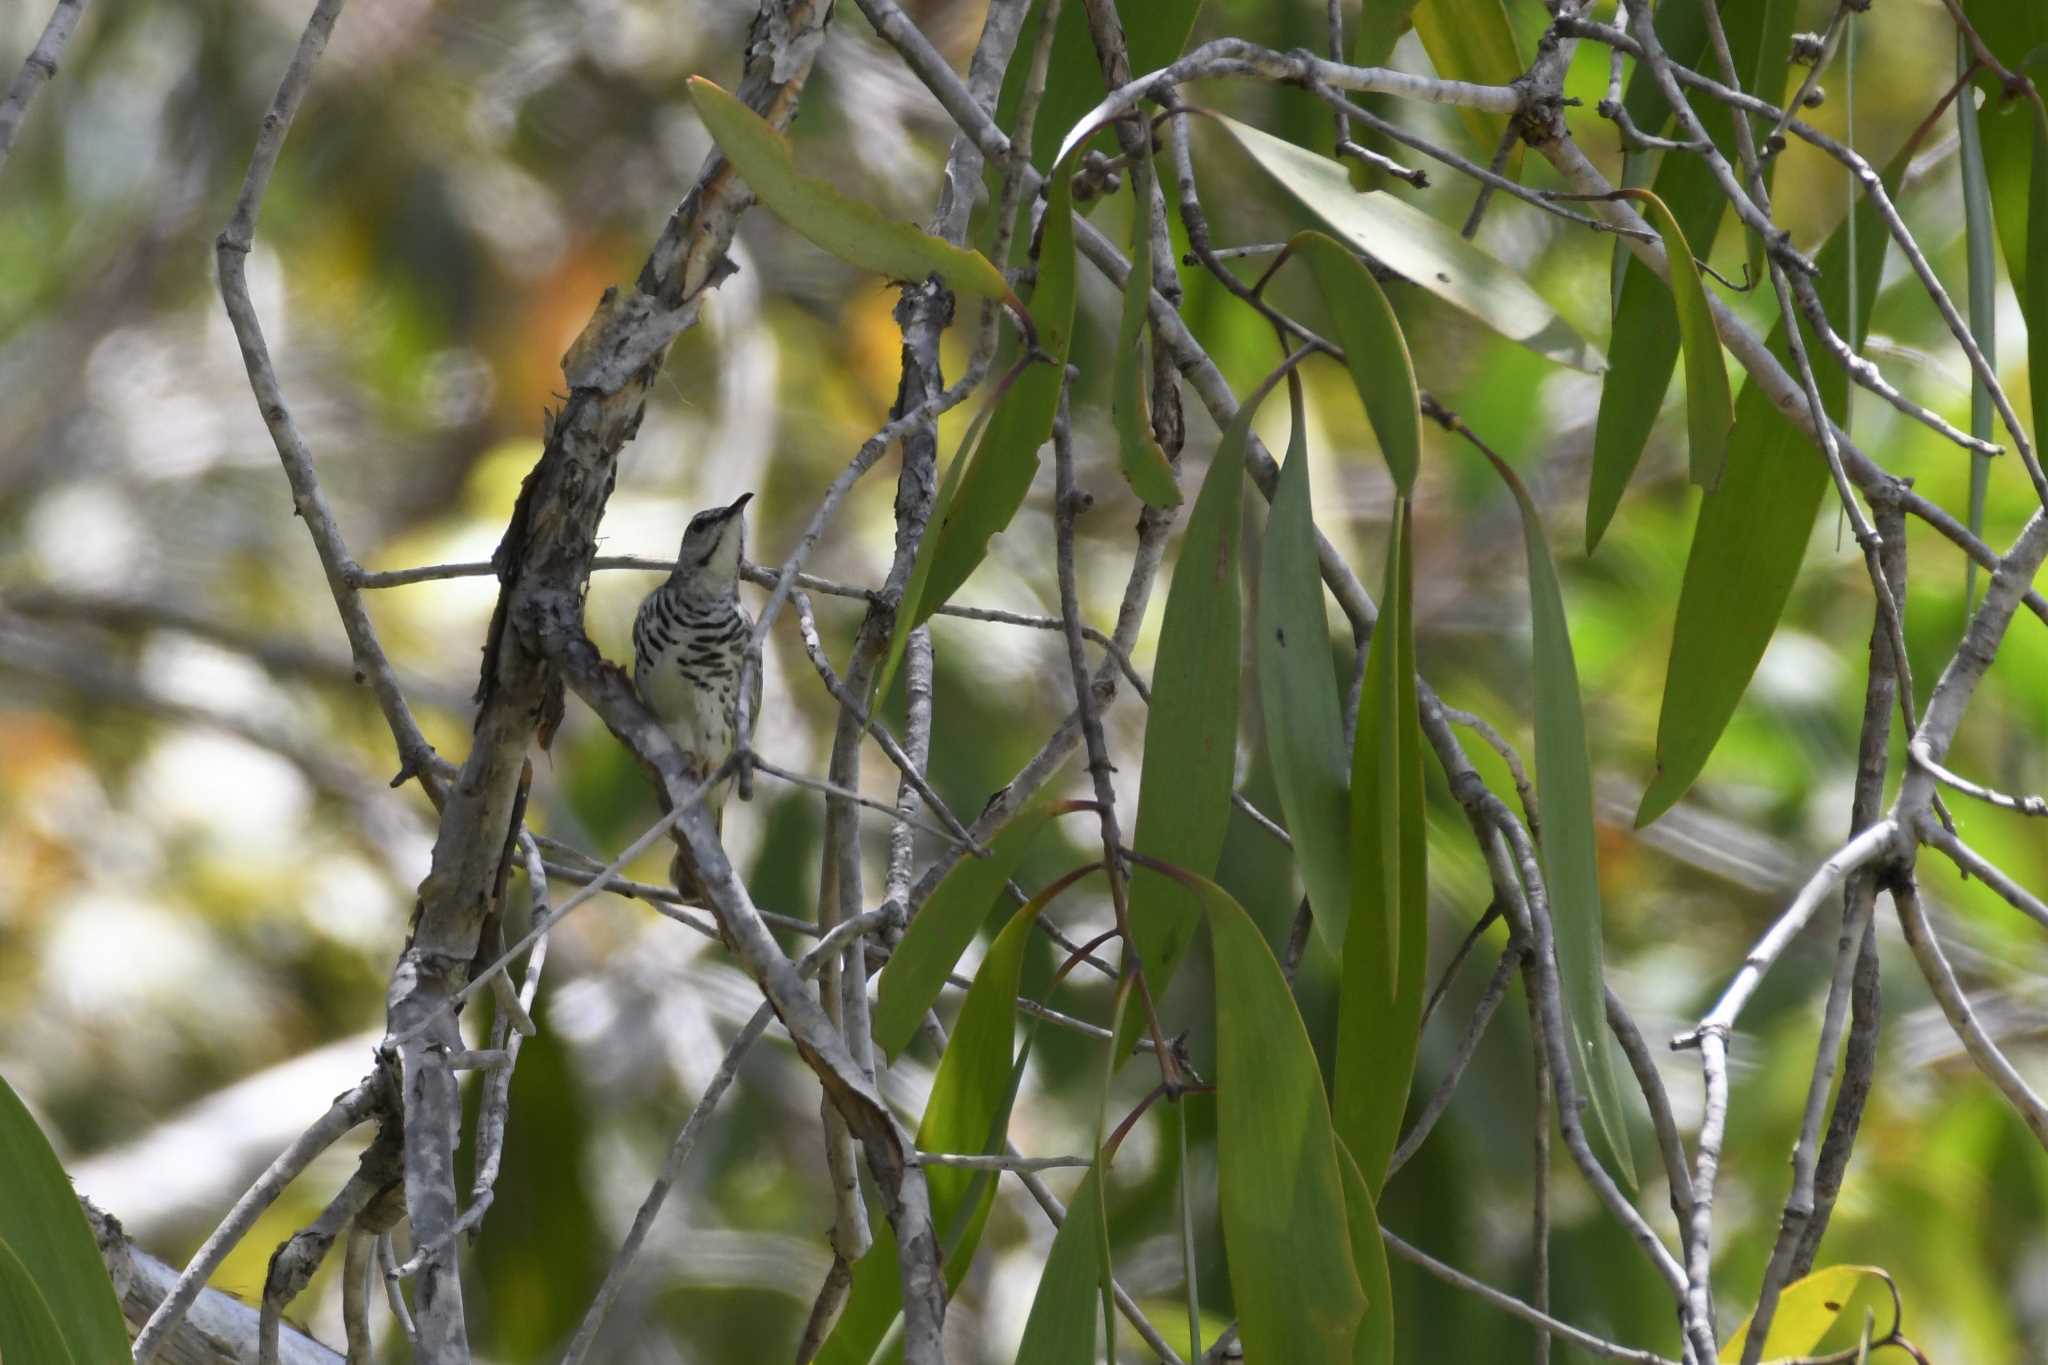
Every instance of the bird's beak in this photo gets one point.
(737, 505)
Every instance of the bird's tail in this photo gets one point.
(682, 869)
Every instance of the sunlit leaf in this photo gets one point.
(1751, 536)
(1298, 694)
(941, 931)
(1564, 789)
(1144, 464)
(855, 232)
(1374, 350)
(1709, 412)
(1386, 946)
(57, 1302)
(1471, 40)
(968, 1111)
(987, 481)
(1413, 244)
(1287, 1227)
(1806, 1310)
(1062, 1328)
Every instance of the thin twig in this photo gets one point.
(1941, 979)
(344, 1114)
(40, 65)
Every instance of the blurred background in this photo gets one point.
(204, 879)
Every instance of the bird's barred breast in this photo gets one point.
(686, 667)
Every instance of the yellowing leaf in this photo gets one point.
(1806, 1310)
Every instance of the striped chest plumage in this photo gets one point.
(686, 664)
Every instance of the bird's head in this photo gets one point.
(709, 562)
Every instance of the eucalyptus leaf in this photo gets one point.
(1807, 1309)
(1750, 539)
(855, 232)
(57, 1302)
(1379, 1011)
(986, 482)
(1298, 694)
(943, 928)
(1428, 253)
(968, 1111)
(1564, 788)
(1709, 411)
(1375, 351)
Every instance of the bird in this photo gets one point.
(689, 642)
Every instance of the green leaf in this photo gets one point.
(1564, 787)
(1375, 1342)
(2014, 32)
(1644, 343)
(1144, 464)
(968, 1111)
(1298, 693)
(940, 932)
(1380, 25)
(1287, 1227)
(1806, 1310)
(1374, 349)
(1709, 412)
(1060, 1330)
(1386, 949)
(1155, 33)
(986, 483)
(856, 233)
(1471, 40)
(28, 1330)
(1751, 536)
(1410, 242)
(1682, 31)
(1190, 757)
(57, 1303)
